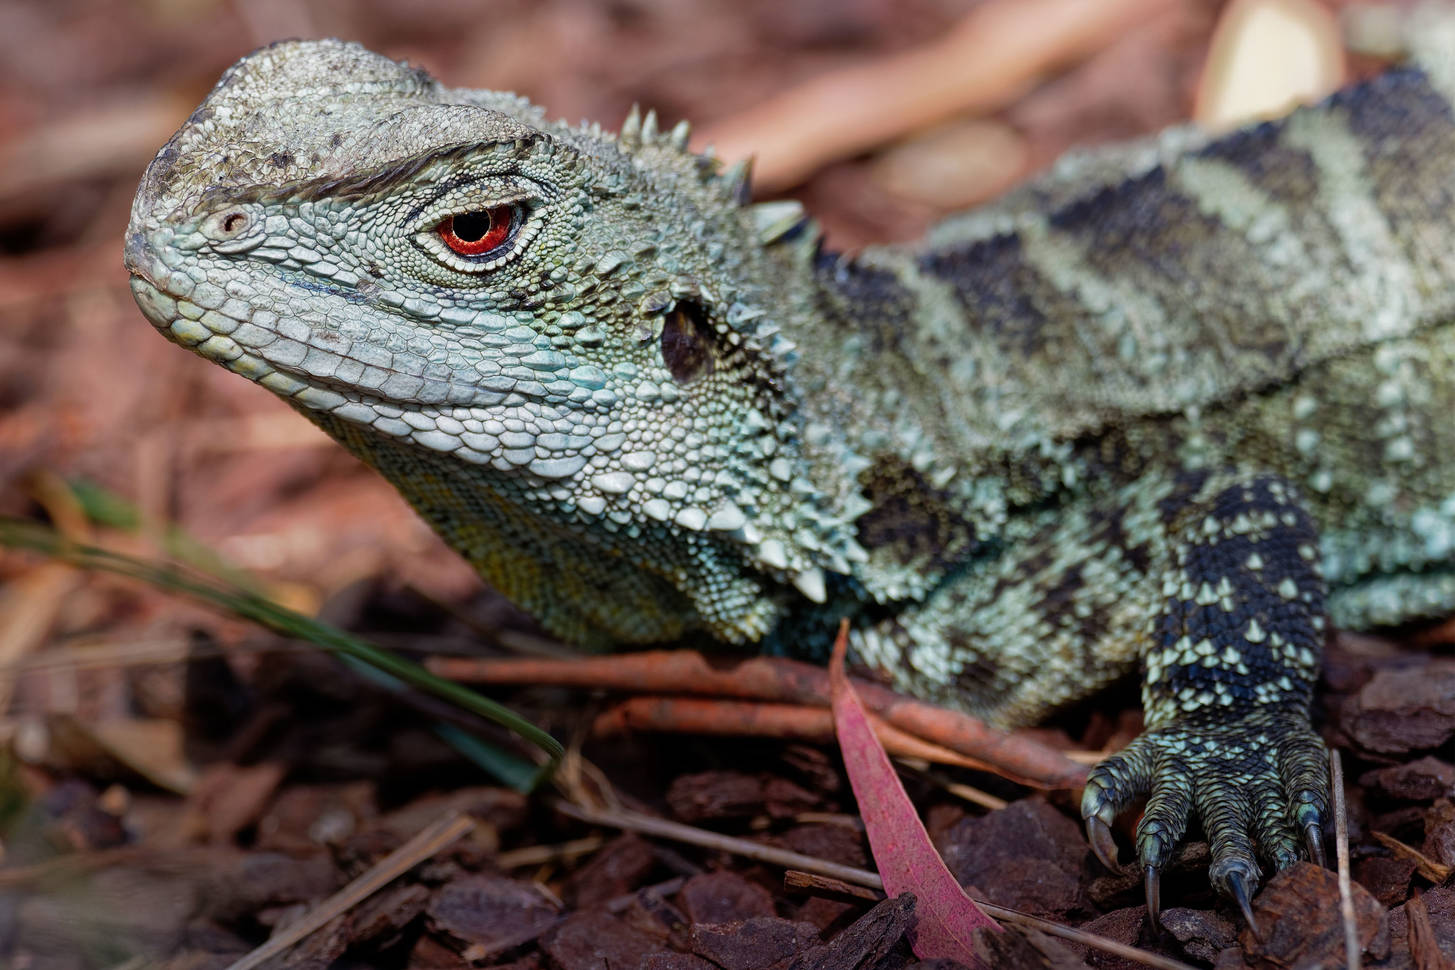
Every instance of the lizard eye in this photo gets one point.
(481, 232)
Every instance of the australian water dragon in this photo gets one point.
(1169, 408)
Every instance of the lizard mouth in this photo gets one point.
(461, 422)
(200, 334)
(160, 308)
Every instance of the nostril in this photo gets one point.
(227, 224)
(234, 230)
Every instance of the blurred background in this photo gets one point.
(881, 115)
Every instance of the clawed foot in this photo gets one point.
(1258, 784)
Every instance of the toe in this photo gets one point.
(1226, 812)
(1278, 843)
(1227, 815)
(1257, 783)
(1240, 881)
(1118, 781)
(1111, 788)
(1165, 819)
(1270, 819)
(1163, 823)
(1303, 767)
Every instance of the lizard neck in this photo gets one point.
(907, 396)
(620, 586)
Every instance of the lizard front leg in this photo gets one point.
(1231, 660)
(1209, 582)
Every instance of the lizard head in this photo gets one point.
(562, 345)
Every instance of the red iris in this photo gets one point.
(476, 233)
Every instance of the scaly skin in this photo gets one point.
(1167, 408)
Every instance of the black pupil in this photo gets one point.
(472, 226)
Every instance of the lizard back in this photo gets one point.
(1279, 297)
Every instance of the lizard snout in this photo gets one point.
(136, 257)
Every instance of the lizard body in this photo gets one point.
(1168, 408)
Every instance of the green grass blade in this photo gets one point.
(244, 602)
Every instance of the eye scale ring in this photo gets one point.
(480, 232)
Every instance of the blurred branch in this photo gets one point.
(985, 63)
(119, 138)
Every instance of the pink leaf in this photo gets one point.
(945, 918)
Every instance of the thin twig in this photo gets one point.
(801, 722)
(535, 855)
(1436, 872)
(778, 680)
(971, 794)
(960, 790)
(664, 888)
(428, 842)
(1352, 950)
(649, 825)
(813, 882)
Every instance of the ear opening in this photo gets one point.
(689, 343)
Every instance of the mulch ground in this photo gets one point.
(177, 786)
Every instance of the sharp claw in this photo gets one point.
(1098, 833)
(1313, 840)
(1152, 879)
(1238, 889)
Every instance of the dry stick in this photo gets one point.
(1438, 634)
(428, 842)
(813, 882)
(774, 679)
(697, 715)
(664, 888)
(535, 855)
(649, 825)
(676, 831)
(983, 64)
(1352, 951)
(1436, 872)
(968, 793)
(973, 795)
